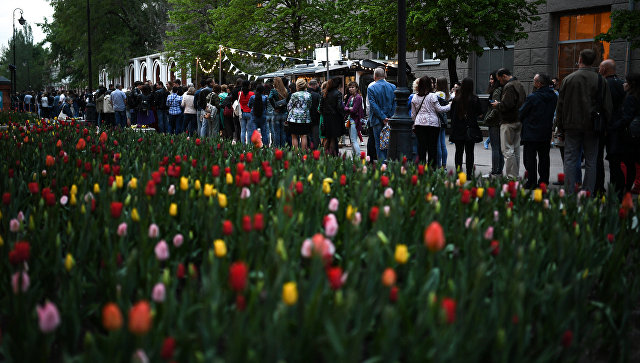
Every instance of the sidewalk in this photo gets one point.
(483, 160)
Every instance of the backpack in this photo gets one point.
(132, 100)
(145, 103)
(203, 98)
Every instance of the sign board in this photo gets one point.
(335, 54)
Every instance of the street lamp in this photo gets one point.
(327, 38)
(401, 123)
(15, 76)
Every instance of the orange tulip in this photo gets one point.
(434, 237)
(103, 137)
(81, 144)
(389, 277)
(256, 138)
(111, 317)
(140, 318)
(50, 161)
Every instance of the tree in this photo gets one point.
(120, 30)
(452, 29)
(31, 59)
(625, 24)
(272, 26)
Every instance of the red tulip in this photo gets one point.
(258, 222)
(299, 187)
(384, 181)
(246, 223)
(278, 154)
(334, 274)
(373, 213)
(238, 272)
(150, 190)
(169, 343)
(449, 307)
(116, 209)
(227, 228)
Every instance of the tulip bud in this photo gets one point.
(166, 277)
(134, 215)
(500, 337)
(281, 250)
(127, 200)
(32, 224)
(69, 228)
(88, 340)
(438, 207)
(532, 245)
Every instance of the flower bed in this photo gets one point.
(121, 244)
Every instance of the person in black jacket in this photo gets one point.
(332, 109)
(630, 153)
(315, 114)
(465, 111)
(536, 115)
(618, 142)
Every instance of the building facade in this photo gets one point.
(154, 67)
(553, 45)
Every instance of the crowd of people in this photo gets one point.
(590, 113)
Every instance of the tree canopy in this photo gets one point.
(625, 24)
(31, 60)
(120, 30)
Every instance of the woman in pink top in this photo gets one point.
(424, 112)
(190, 119)
(245, 120)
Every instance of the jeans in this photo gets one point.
(245, 122)
(574, 141)
(163, 121)
(355, 141)
(200, 120)
(530, 151)
(465, 147)
(278, 129)
(175, 124)
(497, 160)
(510, 145)
(133, 115)
(376, 140)
(442, 148)
(427, 144)
(261, 123)
(382, 155)
(121, 118)
(268, 125)
(190, 123)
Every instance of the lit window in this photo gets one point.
(577, 32)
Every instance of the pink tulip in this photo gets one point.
(488, 234)
(496, 215)
(48, 317)
(14, 225)
(307, 248)
(386, 210)
(122, 229)
(334, 204)
(177, 240)
(357, 218)
(245, 193)
(154, 231)
(20, 216)
(388, 193)
(20, 281)
(467, 223)
(162, 250)
(158, 293)
(172, 189)
(561, 193)
(331, 227)
(63, 200)
(140, 357)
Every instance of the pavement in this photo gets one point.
(483, 159)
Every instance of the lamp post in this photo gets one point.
(15, 74)
(401, 122)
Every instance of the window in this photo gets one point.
(427, 58)
(577, 32)
(491, 60)
(380, 55)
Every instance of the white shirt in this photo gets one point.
(427, 115)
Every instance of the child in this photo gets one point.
(384, 140)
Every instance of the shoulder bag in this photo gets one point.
(473, 130)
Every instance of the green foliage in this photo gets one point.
(33, 67)
(120, 29)
(561, 284)
(625, 24)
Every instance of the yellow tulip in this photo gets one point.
(290, 293)
(133, 183)
(402, 254)
(220, 248)
(196, 185)
(222, 200)
(173, 209)
(96, 188)
(350, 212)
(74, 189)
(229, 179)
(463, 177)
(310, 177)
(134, 215)
(72, 199)
(184, 183)
(119, 181)
(208, 190)
(279, 193)
(480, 192)
(69, 262)
(537, 195)
(326, 188)
(1, 241)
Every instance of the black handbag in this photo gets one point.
(474, 134)
(634, 127)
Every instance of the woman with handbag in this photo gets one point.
(332, 111)
(278, 99)
(355, 114)
(424, 112)
(465, 132)
(299, 119)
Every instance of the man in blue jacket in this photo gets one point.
(382, 105)
(536, 114)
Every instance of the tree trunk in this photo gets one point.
(453, 74)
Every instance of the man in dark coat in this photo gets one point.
(536, 114)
